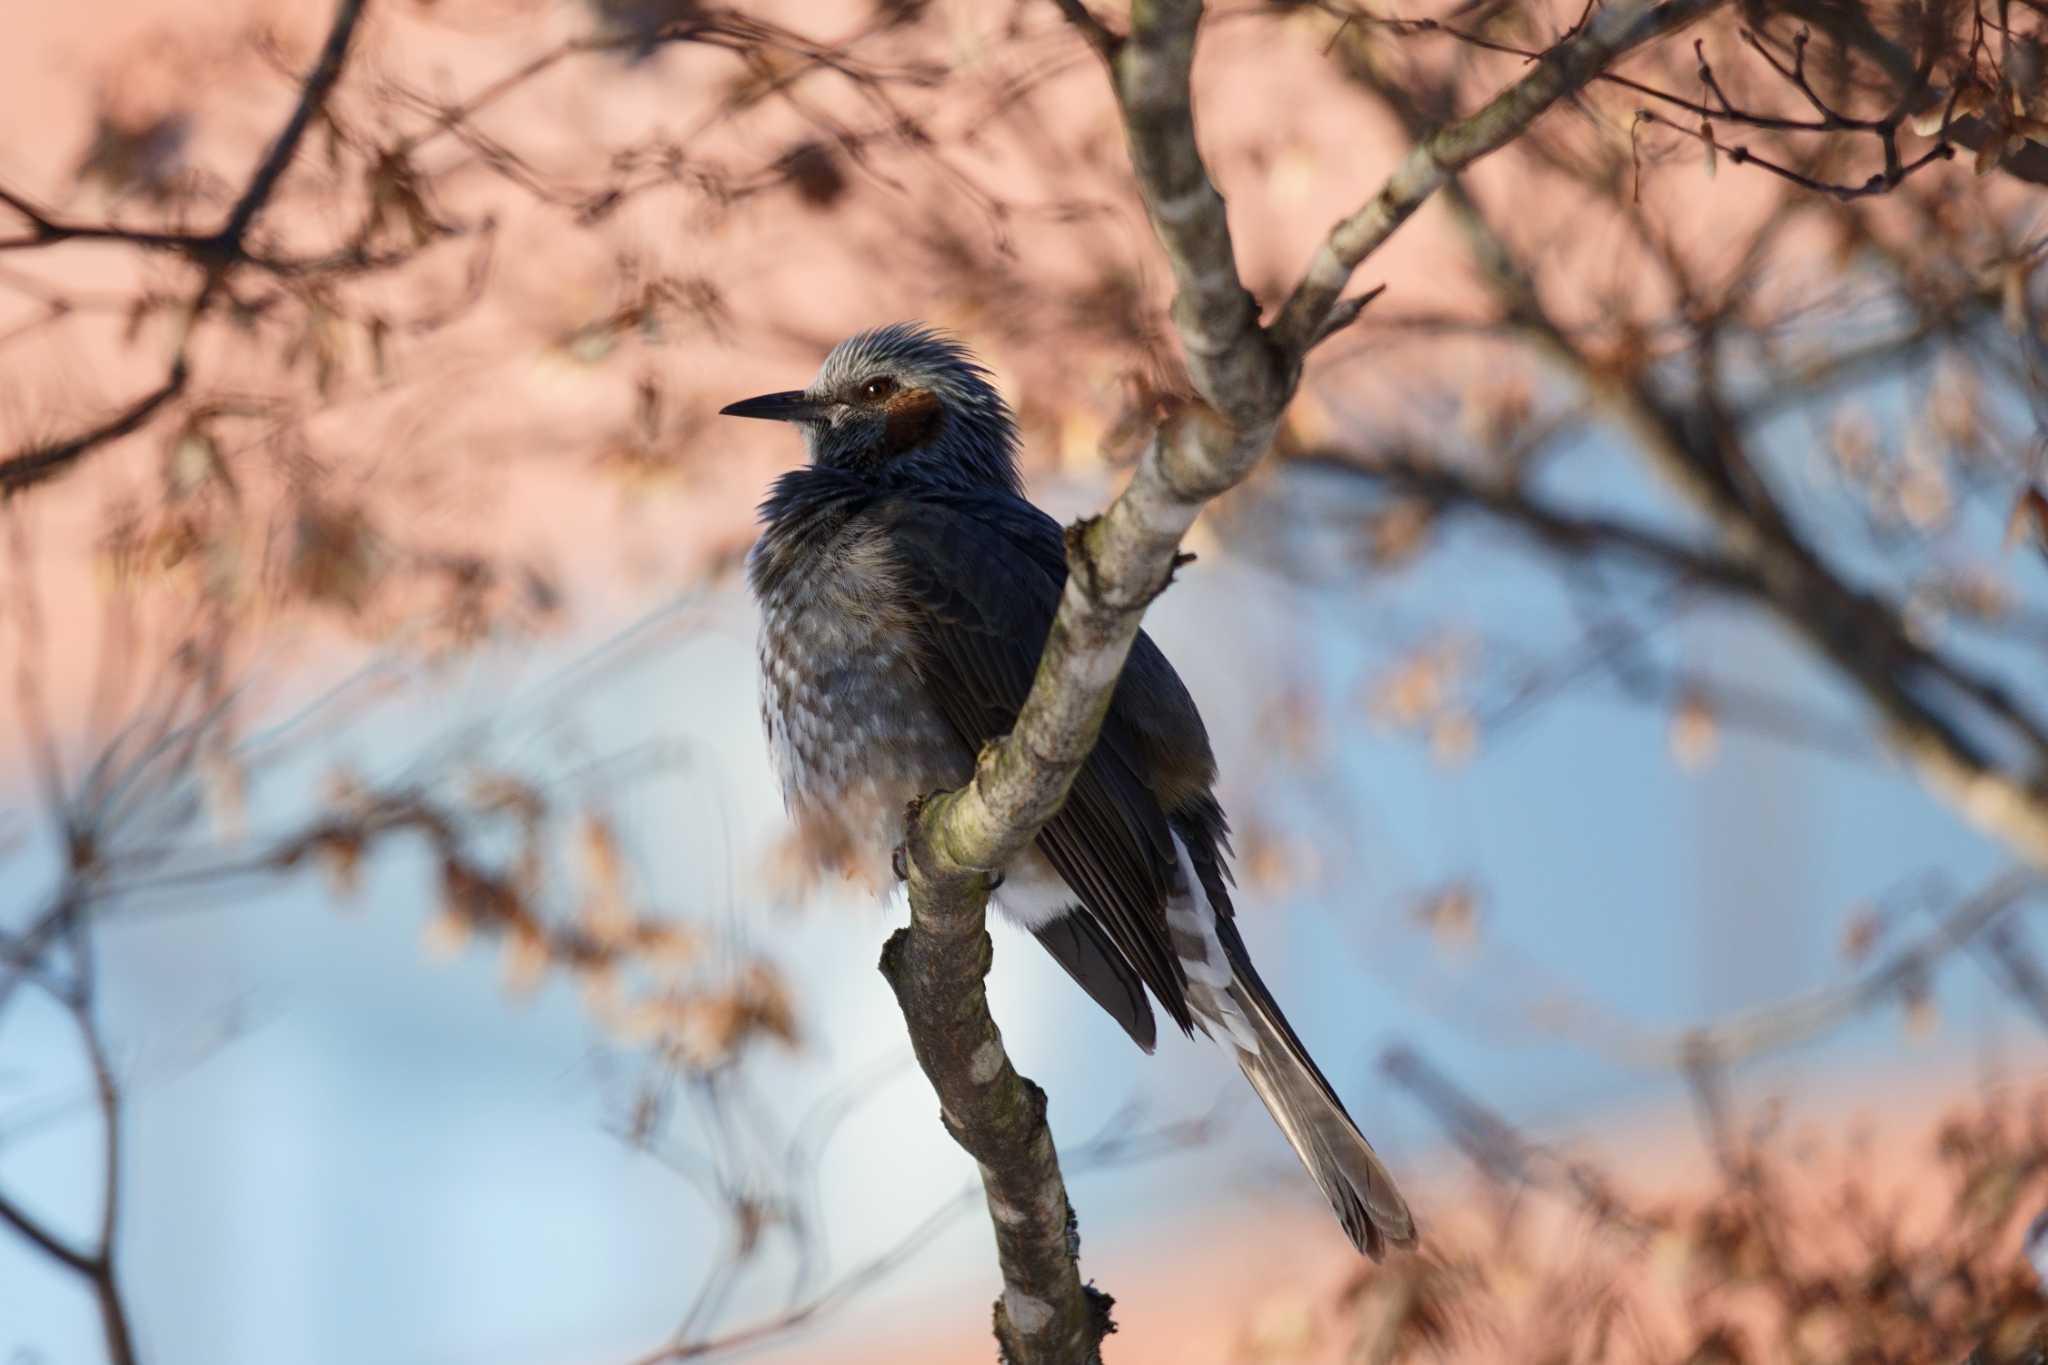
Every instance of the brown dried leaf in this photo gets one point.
(669, 947)
(1419, 686)
(2028, 519)
(1952, 408)
(334, 558)
(525, 959)
(192, 461)
(445, 934)
(1860, 933)
(1454, 738)
(141, 157)
(1398, 532)
(492, 791)
(1451, 915)
(2013, 310)
(812, 169)
(1695, 730)
(606, 916)
(341, 858)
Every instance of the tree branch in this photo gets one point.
(1100, 36)
(318, 83)
(1445, 151)
(1449, 490)
(217, 254)
(1700, 449)
(1883, 182)
(937, 968)
(21, 472)
(1850, 26)
(45, 1241)
(1802, 1018)
(1704, 1055)
(1244, 375)
(96, 1267)
(1234, 366)
(43, 230)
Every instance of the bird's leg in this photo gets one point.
(899, 863)
(899, 857)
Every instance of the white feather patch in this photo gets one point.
(1033, 901)
(1209, 975)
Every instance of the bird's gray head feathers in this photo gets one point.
(900, 399)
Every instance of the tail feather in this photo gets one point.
(1354, 1180)
(1232, 1004)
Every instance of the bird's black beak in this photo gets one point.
(793, 406)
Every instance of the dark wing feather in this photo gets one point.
(981, 576)
(1078, 943)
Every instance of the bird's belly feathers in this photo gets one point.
(852, 735)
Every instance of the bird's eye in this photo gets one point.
(881, 386)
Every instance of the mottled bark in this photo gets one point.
(1440, 153)
(938, 968)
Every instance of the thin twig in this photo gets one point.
(219, 254)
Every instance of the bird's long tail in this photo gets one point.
(1225, 992)
(1358, 1186)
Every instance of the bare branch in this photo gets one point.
(1699, 448)
(1100, 36)
(319, 81)
(96, 1267)
(1850, 25)
(1115, 1146)
(937, 968)
(1450, 149)
(106, 1284)
(1229, 358)
(45, 1241)
(1500, 1152)
(218, 255)
(18, 473)
(44, 230)
(1515, 504)
(1883, 182)
(1788, 1023)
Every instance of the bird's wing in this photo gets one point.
(1079, 943)
(981, 578)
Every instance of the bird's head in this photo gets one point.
(901, 398)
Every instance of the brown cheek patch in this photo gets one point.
(913, 418)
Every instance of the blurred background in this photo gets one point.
(1626, 673)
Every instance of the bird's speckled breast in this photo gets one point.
(853, 737)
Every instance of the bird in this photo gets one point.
(906, 586)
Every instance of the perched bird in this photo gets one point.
(906, 588)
